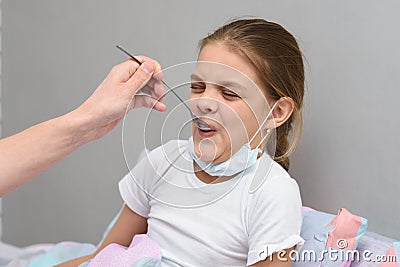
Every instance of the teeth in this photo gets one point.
(206, 130)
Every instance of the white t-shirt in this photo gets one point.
(231, 223)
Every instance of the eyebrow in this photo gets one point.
(226, 84)
(196, 77)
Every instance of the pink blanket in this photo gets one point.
(141, 251)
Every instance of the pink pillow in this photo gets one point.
(329, 238)
(142, 252)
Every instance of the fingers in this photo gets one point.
(156, 91)
(153, 86)
(148, 102)
(145, 78)
(159, 106)
(140, 78)
(157, 72)
(122, 72)
(125, 70)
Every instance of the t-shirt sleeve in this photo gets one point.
(274, 220)
(137, 183)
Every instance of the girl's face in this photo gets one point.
(225, 93)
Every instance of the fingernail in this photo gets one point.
(147, 68)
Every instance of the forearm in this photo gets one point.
(32, 151)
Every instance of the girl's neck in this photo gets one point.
(207, 178)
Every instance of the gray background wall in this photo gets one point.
(55, 53)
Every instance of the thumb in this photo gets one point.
(140, 78)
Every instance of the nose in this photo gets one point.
(206, 104)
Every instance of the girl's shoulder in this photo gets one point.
(272, 186)
(267, 175)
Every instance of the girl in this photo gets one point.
(234, 218)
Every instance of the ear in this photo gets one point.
(282, 111)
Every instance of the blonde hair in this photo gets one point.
(276, 56)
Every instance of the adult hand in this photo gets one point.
(27, 154)
(115, 96)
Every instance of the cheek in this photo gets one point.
(235, 120)
(253, 117)
(191, 101)
(248, 125)
(251, 124)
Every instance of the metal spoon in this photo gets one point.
(202, 125)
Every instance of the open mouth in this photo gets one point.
(206, 130)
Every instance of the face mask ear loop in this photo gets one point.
(259, 129)
(265, 137)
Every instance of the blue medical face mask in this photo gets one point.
(244, 158)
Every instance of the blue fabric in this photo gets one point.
(314, 252)
(62, 252)
(147, 262)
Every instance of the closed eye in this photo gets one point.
(229, 94)
(197, 87)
